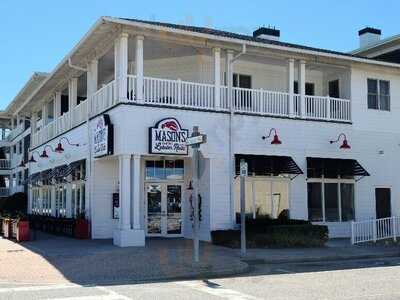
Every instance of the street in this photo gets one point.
(349, 279)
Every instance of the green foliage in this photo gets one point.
(14, 205)
(301, 235)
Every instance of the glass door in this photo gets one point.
(164, 209)
(174, 209)
(154, 209)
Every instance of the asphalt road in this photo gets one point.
(357, 279)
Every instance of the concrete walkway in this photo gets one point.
(52, 259)
(335, 249)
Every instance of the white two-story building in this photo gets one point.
(108, 126)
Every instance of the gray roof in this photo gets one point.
(239, 36)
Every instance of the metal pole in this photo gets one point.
(242, 211)
(196, 197)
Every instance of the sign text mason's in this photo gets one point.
(167, 137)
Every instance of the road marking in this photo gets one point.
(38, 288)
(216, 290)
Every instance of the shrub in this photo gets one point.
(303, 235)
(14, 204)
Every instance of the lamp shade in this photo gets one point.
(345, 145)
(44, 154)
(59, 148)
(276, 140)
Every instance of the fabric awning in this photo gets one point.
(264, 165)
(333, 167)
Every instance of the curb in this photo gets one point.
(261, 261)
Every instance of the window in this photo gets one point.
(310, 88)
(330, 200)
(20, 147)
(378, 94)
(164, 169)
(264, 196)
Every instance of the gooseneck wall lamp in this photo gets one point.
(60, 149)
(275, 139)
(32, 159)
(345, 143)
(44, 153)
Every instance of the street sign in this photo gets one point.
(199, 139)
(243, 168)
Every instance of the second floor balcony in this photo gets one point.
(164, 74)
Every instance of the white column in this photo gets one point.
(125, 191)
(68, 205)
(53, 200)
(117, 60)
(126, 236)
(217, 77)
(57, 105)
(92, 77)
(302, 87)
(72, 93)
(229, 74)
(123, 66)
(136, 191)
(45, 114)
(139, 68)
(291, 86)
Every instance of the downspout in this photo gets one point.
(231, 115)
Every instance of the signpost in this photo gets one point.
(195, 140)
(243, 175)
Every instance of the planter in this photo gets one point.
(23, 233)
(7, 232)
(82, 229)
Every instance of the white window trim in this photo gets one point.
(378, 94)
(339, 181)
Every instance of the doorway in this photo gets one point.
(164, 209)
(383, 203)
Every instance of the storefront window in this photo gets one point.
(164, 169)
(264, 196)
(314, 201)
(330, 200)
(347, 201)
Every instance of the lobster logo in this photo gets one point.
(171, 125)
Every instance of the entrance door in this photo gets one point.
(164, 209)
(383, 207)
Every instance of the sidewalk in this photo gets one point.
(51, 259)
(336, 249)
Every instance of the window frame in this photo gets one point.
(378, 94)
(339, 181)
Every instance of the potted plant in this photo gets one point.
(82, 227)
(23, 232)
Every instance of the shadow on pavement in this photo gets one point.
(55, 259)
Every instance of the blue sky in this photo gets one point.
(36, 35)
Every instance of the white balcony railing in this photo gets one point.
(5, 164)
(16, 131)
(185, 94)
(375, 229)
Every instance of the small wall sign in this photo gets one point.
(103, 137)
(168, 137)
(115, 205)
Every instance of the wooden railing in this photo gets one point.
(375, 229)
(185, 94)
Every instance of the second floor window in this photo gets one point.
(379, 94)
